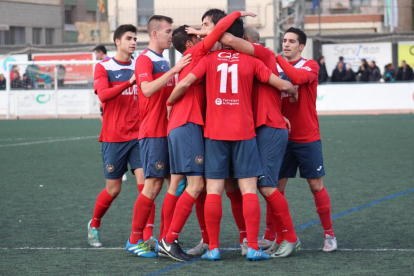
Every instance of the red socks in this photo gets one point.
(182, 212)
(213, 212)
(148, 230)
(142, 210)
(168, 208)
(236, 200)
(201, 200)
(251, 212)
(323, 207)
(270, 229)
(103, 202)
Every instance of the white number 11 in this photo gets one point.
(223, 78)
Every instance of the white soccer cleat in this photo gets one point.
(244, 247)
(124, 177)
(330, 243)
(199, 249)
(265, 244)
(286, 249)
(272, 249)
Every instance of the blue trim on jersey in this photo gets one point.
(121, 64)
(119, 75)
(161, 66)
(155, 53)
(283, 76)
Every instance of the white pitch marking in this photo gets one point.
(50, 141)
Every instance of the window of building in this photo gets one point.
(14, 36)
(49, 36)
(69, 15)
(360, 2)
(37, 36)
(236, 5)
(145, 11)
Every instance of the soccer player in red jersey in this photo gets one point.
(272, 138)
(155, 82)
(114, 82)
(185, 137)
(304, 149)
(230, 136)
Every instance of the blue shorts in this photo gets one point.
(186, 150)
(116, 157)
(306, 156)
(243, 156)
(272, 145)
(154, 156)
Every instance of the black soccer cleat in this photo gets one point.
(174, 251)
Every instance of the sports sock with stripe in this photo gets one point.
(213, 212)
(251, 212)
(323, 208)
(142, 210)
(149, 227)
(270, 229)
(201, 200)
(168, 208)
(236, 200)
(103, 202)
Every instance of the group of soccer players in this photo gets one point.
(237, 118)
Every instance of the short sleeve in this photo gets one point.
(200, 70)
(100, 78)
(143, 69)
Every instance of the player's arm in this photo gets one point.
(149, 88)
(301, 75)
(238, 44)
(178, 91)
(101, 84)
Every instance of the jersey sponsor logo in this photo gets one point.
(132, 90)
(306, 68)
(110, 168)
(199, 160)
(117, 77)
(219, 101)
(143, 75)
(96, 81)
(228, 55)
(171, 82)
(159, 165)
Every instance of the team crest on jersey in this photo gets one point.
(199, 160)
(159, 165)
(110, 168)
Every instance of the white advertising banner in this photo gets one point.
(4, 59)
(353, 53)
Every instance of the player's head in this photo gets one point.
(182, 41)
(100, 52)
(125, 37)
(340, 65)
(211, 17)
(160, 30)
(294, 42)
(251, 34)
(236, 28)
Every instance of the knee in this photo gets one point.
(315, 184)
(114, 191)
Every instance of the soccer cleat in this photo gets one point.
(173, 250)
(152, 243)
(272, 249)
(330, 243)
(243, 247)
(286, 249)
(265, 243)
(141, 249)
(199, 249)
(213, 255)
(124, 177)
(93, 236)
(256, 255)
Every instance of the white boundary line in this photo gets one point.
(50, 141)
(224, 249)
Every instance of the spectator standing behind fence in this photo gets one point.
(349, 74)
(26, 82)
(374, 72)
(405, 72)
(389, 73)
(32, 71)
(61, 75)
(323, 74)
(2, 82)
(363, 73)
(15, 71)
(338, 73)
(45, 76)
(16, 83)
(101, 52)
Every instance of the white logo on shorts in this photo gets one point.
(319, 169)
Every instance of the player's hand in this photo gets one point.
(169, 109)
(132, 80)
(183, 62)
(192, 31)
(246, 13)
(294, 97)
(287, 123)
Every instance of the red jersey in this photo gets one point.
(120, 114)
(229, 84)
(191, 106)
(153, 112)
(303, 74)
(267, 100)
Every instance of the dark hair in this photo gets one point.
(301, 35)
(215, 15)
(119, 32)
(341, 58)
(100, 48)
(158, 18)
(236, 28)
(180, 38)
(24, 75)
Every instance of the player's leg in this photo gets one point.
(202, 246)
(247, 168)
(114, 156)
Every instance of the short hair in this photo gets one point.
(301, 35)
(180, 38)
(236, 28)
(341, 58)
(251, 33)
(122, 29)
(100, 48)
(157, 18)
(215, 15)
(24, 75)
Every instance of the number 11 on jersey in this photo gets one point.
(224, 69)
